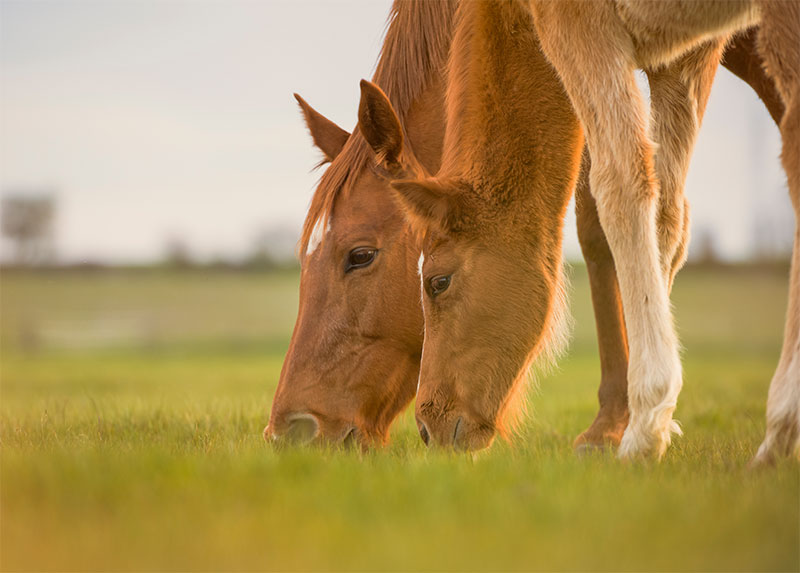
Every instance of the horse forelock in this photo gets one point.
(337, 180)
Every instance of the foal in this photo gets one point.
(478, 340)
(638, 171)
(492, 218)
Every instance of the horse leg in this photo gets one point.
(779, 43)
(783, 402)
(612, 418)
(598, 74)
(679, 93)
(742, 59)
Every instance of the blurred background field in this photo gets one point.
(133, 403)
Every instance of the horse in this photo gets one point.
(353, 359)
(358, 405)
(742, 59)
(491, 222)
(489, 254)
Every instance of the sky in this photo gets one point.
(155, 121)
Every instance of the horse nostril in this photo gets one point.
(455, 433)
(423, 431)
(302, 429)
(350, 439)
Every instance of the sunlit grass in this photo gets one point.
(151, 456)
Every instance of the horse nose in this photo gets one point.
(423, 431)
(456, 432)
(300, 429)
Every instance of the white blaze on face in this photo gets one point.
(421, 262)
(317, 234)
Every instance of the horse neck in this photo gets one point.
(511, 132)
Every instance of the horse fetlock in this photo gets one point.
(638, 442)
(782, 439)
(654, 380)
(783, 410)
(652, 395)
(606, 430)
(777, 445)
(648, 438)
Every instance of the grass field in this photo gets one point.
(133, 404)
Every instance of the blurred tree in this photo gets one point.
(28, 221)
(703, 248)
(273, 247)
(773, 234)
(262, 255)
(177, 253)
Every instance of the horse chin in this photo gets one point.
(470, 437)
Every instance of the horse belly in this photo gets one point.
(663, 31)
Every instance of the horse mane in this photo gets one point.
(414, 52)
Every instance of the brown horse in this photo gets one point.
(476, 213)
(492, 218)
(363, 399)
(353, 360)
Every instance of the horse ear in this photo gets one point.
(429, 203)
(327, 136)
(379, 124)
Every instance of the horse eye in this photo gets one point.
(359, 258)
(439, 284)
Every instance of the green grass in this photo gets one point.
(133, 404)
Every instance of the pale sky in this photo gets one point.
(166, 119)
